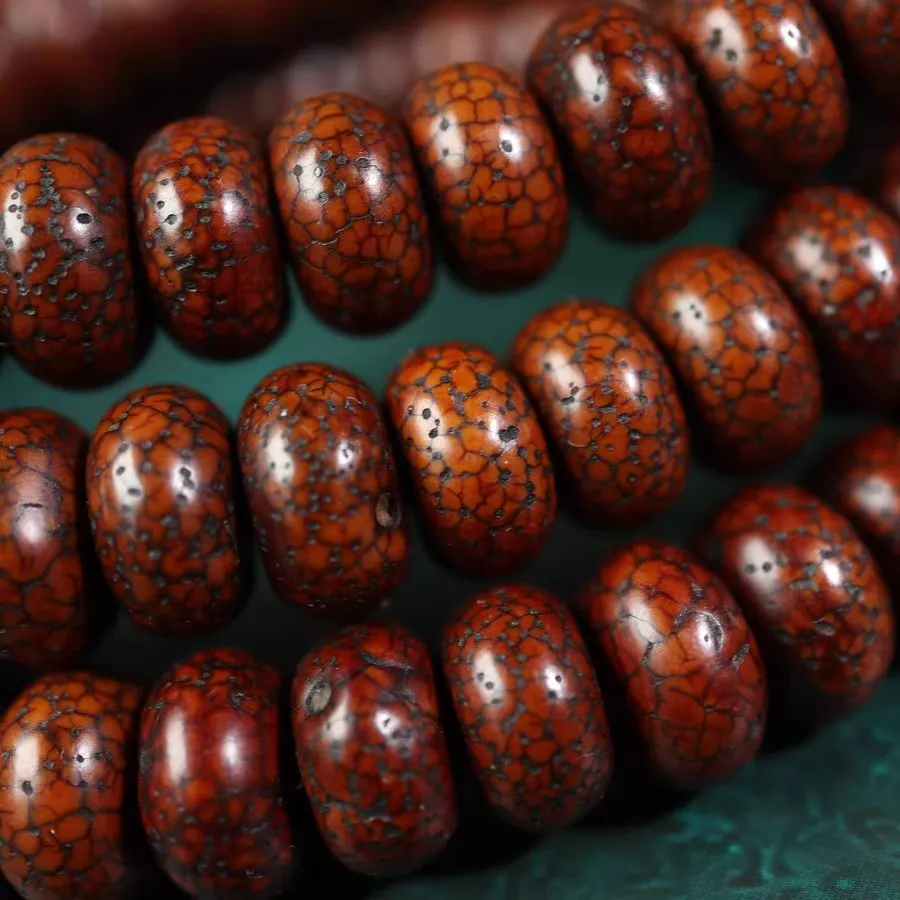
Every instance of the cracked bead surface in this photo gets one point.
(608, 401)
(492, 166)
(160, 485)
(811, 592)
(861, 480)
(476, 455)
(625, 101)
(67, 762)
(526, 695)
(207, 237)
(774, 75)
(43, 602)
(371, 750)
(354, 212)
(740, 350)
(838, 257)
(323, 490)
(65, 263)
(209, 789)
(681, 651)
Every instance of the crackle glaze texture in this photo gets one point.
(160, 488)
(811, 592)
(67, 748)
(371, 749)
(322, 486)
(774, 75)
(209, 789)
(860, 478)
(632, 119)
(838, 257)
(492, 166)
(354, 212)
(476, 455)
(207, 236)
(609, 403)
(741, 352)
(526, 695)
(43, 602)
(65, 263)
(683, 654)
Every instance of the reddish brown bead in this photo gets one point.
(811, 592)
(838, 257)
(160, 495)
(209, 788)
(775, 77)
(529, 704)
(477, 456)
(207, 236)
(626, 103)
(323, 489)
(65, 263)
(609, 402)
(371, 750)
(354, 212)
(686, 659)
(66, 768)
(490, 161)
(43, 608)
(861, 480)
(886, 186)
(740, 350)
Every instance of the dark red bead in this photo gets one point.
(209, 789)
(740, 350)
(43, 603)
(207, 236)
(608, 401)
(838, 257)
(476, 454)
(160, 488)
(689, 666)
(491, 163)
(775, 77)
(65, 263)
(67, 763)
(811, 592)
(530, 707)
(323, 490)
(627, 106)
(371, 750)
(886, 180)
(354, 212)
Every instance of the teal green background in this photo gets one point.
(818, 820)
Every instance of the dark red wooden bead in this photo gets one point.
(861, 480)
(530, 707)
(209, 789)
(811, 592)
(354, 212)
(371, 749)
(67, 762)
(740, 350)
(160, 487)
(491, 163)
(207, 236)
(608, 401)
(65, 263)
(686, 660)
(838, 257)
(775, 78)
(626, 103)
(323, 490)
(476, 454)
(43, 603)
